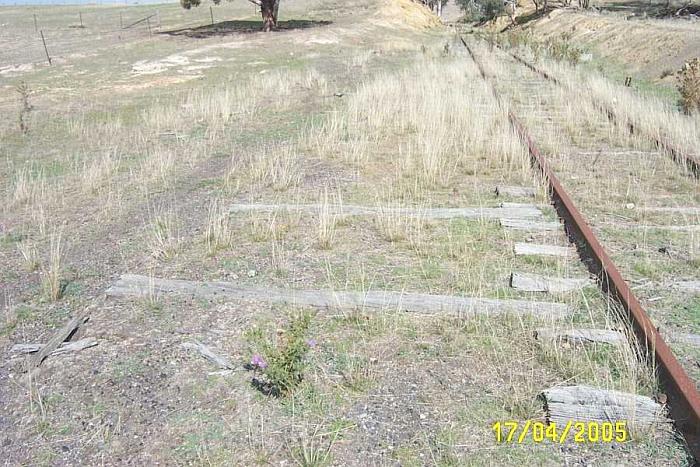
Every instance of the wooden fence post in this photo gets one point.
(48, 57)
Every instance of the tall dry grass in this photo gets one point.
(29, 255)
(218, 233)
(276, 166)
(395, 222)
(652, 116)
(433, 122)
(51, 272)
(327, 220)
(164, 237)
(28, 186)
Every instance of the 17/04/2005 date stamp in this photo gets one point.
(580, 432)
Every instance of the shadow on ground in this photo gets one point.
(236, 27)
(524, 19)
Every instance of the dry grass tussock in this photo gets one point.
(277, 166)
(410, 118)
(51, 272)
(327, 219)
(107, 132)
(29, 255)
(28, 186)
(157, 166)
(164, 238)
(624, 367)
(397, 223)
(627, 366)
(97, 173)
(273, 226)
(219, 231)
(360, 59)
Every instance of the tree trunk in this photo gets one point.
(511, 10)
(275, 11)
(267, 9)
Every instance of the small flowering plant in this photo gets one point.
(279, 365)
(257, 362)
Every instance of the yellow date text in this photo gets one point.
(579, 432)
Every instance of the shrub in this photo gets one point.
(689, 86)
(562, 49)
(492, 9)
(482, 10)
(279, 364)
(515, 39)
(25, 108)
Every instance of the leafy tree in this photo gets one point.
(483, 10)
(268, 10)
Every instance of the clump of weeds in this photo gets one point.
(25, 107)
(279, 362)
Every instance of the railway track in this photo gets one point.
(444, 296)
(683, 398)
(689, 162)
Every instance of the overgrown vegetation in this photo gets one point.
(164, 241)
(689, 86)
(218, 233)
(560, 49)
(51, 274)
(326, 222)
(25, 107)
(29, 255)
(408, 131)
(482, 10)
(279, 362)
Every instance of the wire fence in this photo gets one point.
(30, 37)
(69, 32)
(35, 41)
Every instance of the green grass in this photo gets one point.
(128, 366)
(202, 438)
(617, 72)
(683, 312)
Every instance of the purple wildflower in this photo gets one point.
(311, 343)
(258, 361)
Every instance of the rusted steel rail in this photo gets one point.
(683, 397)
(686, 160)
